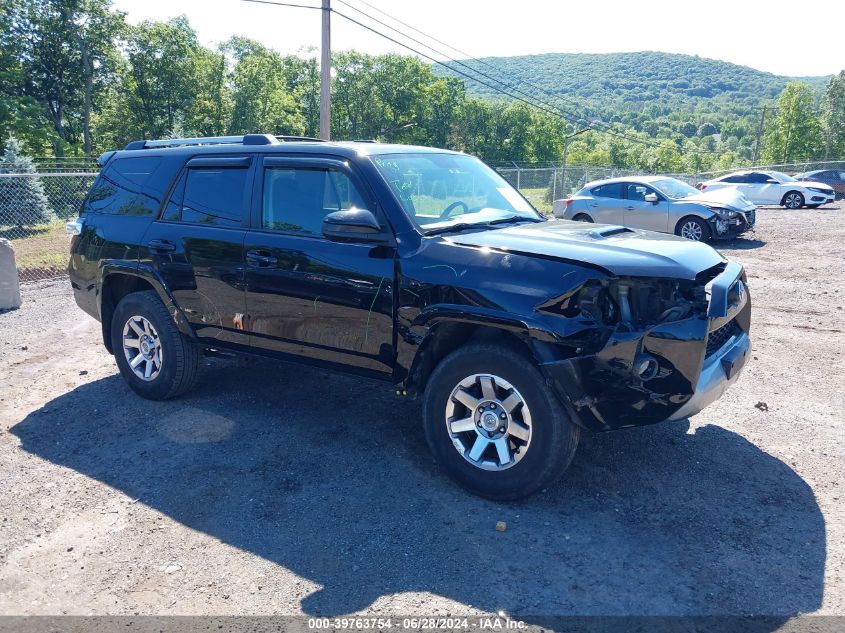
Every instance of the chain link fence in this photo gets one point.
(34, 207)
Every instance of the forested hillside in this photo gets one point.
(617, 82)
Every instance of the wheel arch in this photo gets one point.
(789, 191)
(119, 281)
(446, 335)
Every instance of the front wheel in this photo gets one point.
(152, 355)
(793, 200)
(494, 425)
(693, 229)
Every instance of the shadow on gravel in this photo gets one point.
(740, 244)
(329, 477)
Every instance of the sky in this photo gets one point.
(755, 33)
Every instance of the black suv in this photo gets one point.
(417, 266)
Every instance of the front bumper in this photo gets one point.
(719, 372)
(698, 359)
(727, 229)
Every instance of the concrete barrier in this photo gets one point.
(10, 286)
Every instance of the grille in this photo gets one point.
(720, 336)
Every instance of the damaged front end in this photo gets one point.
(649, 350)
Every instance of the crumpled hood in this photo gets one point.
(727, 198)
(619, 250)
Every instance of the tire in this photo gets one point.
(583, 217)
(792, 200)
(149, 327)
(544, 452)
(693, 228)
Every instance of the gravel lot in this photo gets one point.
(273, 489)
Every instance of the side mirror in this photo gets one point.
(353, 225)
(652, 197)
(772, 181)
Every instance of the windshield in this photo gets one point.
(441, 190)
(675, 188)
(782, 177)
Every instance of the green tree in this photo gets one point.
(795, 132)
(262, 99)
(23, 201)
(833, 117)
(65, 51)
(161, 83)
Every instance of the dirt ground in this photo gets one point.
(273, 489)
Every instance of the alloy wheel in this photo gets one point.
(692, 231)
(142, 348)
(793, 201)
(489, 422)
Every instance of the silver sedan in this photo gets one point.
(659, 203)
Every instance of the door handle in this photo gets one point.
(629, 208)
(161, 246)
(595, 205)
(260, 258)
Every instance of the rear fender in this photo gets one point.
(150, 276)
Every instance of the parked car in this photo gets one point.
(659, 203)
(773, 188)
(416, 266)
(834, 178)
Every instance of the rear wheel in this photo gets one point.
(793, 200)
(583, 217)
(693, 229)
(494, 425)
(153, 357)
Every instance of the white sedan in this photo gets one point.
(774, 188)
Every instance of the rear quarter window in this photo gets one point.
(611, 190)
(120, 189)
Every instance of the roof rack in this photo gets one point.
(300, 138)
(246, 139)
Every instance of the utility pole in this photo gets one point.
(759, 136)
(326, 73)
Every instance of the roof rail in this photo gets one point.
(246, 139)
(299, 138)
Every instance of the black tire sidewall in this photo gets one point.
(583, 217)
(149, 306)
(552, 431)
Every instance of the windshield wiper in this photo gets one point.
(460, 226)
(512, 219)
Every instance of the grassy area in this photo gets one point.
(537, 197)
(39, 248)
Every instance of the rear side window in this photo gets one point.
(738, 178)
(121, 188)
(611, 190)
(297, 199)
(212, 196)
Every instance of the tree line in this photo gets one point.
(76, 79)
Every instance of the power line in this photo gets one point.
(598, 126)
(543, 106)
(572, 118)
(284, 4)
(460, 52)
